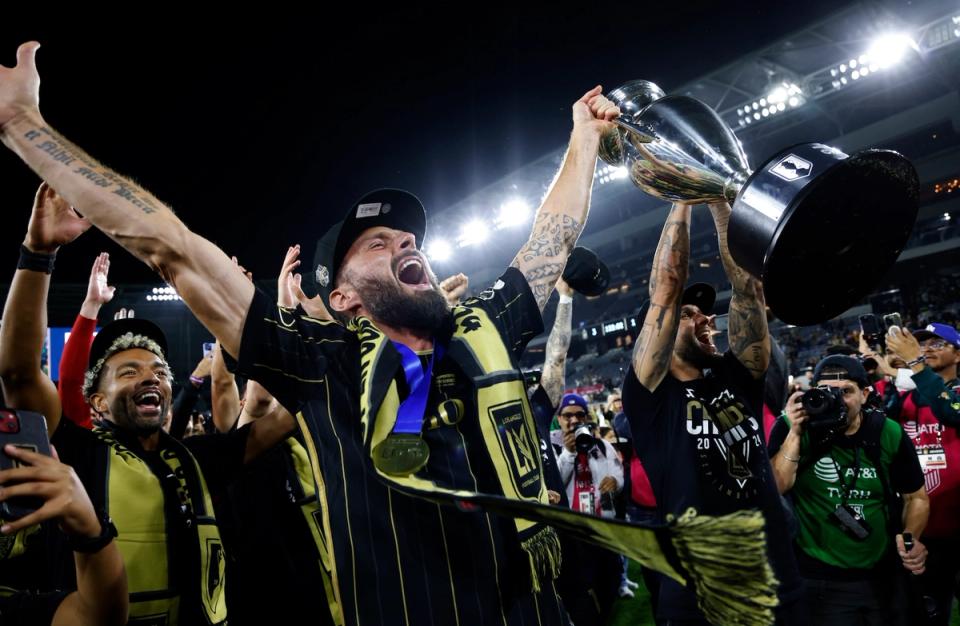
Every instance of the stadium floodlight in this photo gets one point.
(513, 212)
(439, 250)
(474, 232)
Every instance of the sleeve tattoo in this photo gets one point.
(558, 343)
(544, 256)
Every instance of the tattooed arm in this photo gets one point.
(747, 322)
(653, 349)
(564, 210)
(210, 284)
(553, 380)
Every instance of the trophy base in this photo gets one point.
(821, 229)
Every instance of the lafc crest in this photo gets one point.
(519, 446)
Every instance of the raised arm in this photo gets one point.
(653, 349)
(289, 290)
(76, 350)
(747, 332)
(224, 395)
(563, 213)
(25, 386)
(201, 273)
(558, 343)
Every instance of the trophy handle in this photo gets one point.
(642, 135)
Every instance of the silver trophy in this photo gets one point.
(819, 227)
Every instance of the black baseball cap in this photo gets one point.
(701, 295)
(118, 328)
(586, 273)
(393, 208)
(851, 365)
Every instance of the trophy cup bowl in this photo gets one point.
(818, 227)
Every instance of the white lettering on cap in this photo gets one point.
(371, 209)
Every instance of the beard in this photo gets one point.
(124, 413)
(388, 303)
(690, 351)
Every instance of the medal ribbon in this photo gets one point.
(410, 413)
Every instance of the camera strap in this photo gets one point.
(844, 488)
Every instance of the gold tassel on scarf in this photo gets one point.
(726, 561)
(723, 558)
(543, 549)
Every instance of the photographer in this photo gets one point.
(589, 466)
(592, 474)
(843, 466)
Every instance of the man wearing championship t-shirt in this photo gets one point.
(696, 415)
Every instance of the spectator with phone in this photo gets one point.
(929, 411)
(61, 508)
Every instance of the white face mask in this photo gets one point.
(904, 380)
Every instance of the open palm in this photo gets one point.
(20, 85)
(98, 291)
(53, 222)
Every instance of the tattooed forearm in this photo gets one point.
(560, 217)
(747, 332)
(747, 321)
(558, 343)
(61, 151)
(543, 257)
(653, 350)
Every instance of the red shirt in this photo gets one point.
(943, 485)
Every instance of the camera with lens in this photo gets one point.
(585, 441)
(825, 408)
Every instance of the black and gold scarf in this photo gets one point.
(724, 558)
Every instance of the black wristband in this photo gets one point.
(35, 261)
(91, 545)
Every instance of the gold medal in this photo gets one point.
(401, 454)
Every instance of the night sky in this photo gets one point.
(260, 131)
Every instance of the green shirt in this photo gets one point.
(820, 488)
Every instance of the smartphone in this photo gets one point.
(873, 332)
(892, 319)
(208, 348)
(27, 430)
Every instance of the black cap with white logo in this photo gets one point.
(393, 208)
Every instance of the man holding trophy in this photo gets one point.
(696, 415)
